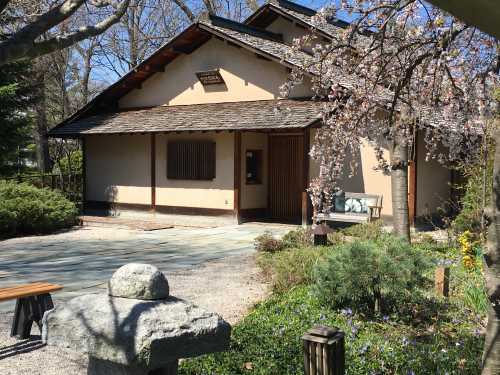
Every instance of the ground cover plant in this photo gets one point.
(25, 209)
(426, 334)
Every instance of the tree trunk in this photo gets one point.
(491, 355)
(399, 187)
(41, 136)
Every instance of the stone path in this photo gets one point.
(84, 258)
(228, 286)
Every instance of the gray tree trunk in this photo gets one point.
(399, 187)
(491, 355)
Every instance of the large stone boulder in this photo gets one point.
(126, 335)
(140, 281)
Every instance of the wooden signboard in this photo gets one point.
(210, 77)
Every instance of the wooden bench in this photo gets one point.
(370, 211)
(32, 302)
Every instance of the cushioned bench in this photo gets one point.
(32, 302)
(353, 208)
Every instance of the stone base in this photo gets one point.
(100, 367)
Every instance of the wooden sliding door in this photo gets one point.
(286, 179)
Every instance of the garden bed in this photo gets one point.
(427, 335)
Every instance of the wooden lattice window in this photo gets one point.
(191, 160)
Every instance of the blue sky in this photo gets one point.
(105, 75)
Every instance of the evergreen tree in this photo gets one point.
(16, 95)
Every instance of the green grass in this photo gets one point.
(433, 337)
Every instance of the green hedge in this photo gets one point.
(25, 209)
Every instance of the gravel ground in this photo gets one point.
(229, 286)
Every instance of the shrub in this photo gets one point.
(266, 242)
(298, 238)
(370, 275)
(367, 231)
(292, 267)
(25, 209)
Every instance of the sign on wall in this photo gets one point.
(210, 77)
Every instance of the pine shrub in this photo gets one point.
(370, 275)
(25, 209)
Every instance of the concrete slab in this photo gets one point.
(83, 259)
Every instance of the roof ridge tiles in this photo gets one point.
(243, 28)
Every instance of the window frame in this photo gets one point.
(259, 153)
(185, 160)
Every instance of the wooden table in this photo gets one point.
(32, 302)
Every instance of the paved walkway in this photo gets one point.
(83, 259)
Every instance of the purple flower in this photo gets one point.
(385, 318)
(354, 330)
(410, 372)
(363, 349)
(346, 312)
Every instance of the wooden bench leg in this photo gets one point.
(30, 310)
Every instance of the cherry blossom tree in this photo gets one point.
(401, 67)
(404, 67)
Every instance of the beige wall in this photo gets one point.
(254, 196)
(366, 180)
(433, 182)
(246, 78)
(217, 193)
(118, 169)
(291, 31)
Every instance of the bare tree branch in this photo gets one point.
(182, 5)
(23, 43)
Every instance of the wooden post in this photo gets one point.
(153, 172)
(442, 281)
(305, 178)
(412, 184)
(84, 173)
(237, 175)
(324, 351)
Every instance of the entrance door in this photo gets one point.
(286, 165)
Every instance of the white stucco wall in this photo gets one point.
(254, 196)
(217, 193)
(433, 182)
(246, 78)
(118, 169)
(366, 179)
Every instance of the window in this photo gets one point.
(254, 167)
(191, 160)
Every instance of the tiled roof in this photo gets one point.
(305, 15)
(254, 115)
(280, 51)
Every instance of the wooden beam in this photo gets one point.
(412, 184)
(154, 68)
(237, 175)
(153, 172)
(305, 178)
(131, 85)
(262, 57)
(84, 172)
